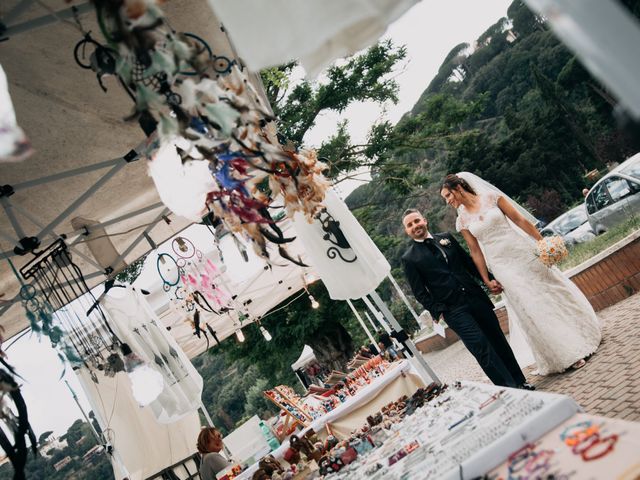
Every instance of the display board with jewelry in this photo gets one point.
(313, 405)
(585, 446)
(457, 432)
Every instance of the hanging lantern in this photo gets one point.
(146, 383)
(240, 335)
(314, 303)
(265, 333)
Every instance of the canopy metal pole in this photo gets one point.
(421, 365)
(16, 11)
(82, 198)
(67, 173)
(205, 412)
(373, 325)
(406, 301)
(140, 237)
(377, 314)
(355, 312)
(13, 30)
(93, 430)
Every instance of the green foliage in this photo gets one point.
(365, 77)
(79, 441)
(583, 251)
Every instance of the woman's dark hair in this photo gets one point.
(453, 181)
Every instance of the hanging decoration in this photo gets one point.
(223, 123)
(161, 376)
(14, 416)
(192, 278)
(60, 305)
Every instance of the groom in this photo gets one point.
(441, 275)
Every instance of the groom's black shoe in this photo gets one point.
(526, 386)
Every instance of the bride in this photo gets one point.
(556, 319)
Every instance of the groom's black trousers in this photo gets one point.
(475, 322)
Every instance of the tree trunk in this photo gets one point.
(333, 346)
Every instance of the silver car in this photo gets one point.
(615, 197)
(573, 226)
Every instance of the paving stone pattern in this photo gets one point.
(608, 385)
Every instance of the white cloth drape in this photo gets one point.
(137, 325)
(14, 145)
(344, 279)
(142, 445)
(267, 34)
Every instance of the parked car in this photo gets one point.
(573, 226)
(615, 197)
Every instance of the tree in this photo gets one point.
(42, 439)
(365, 77)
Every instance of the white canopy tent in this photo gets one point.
(89, 163)
(306, 356)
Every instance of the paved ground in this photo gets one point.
(608, 385)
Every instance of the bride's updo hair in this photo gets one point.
(453, 181)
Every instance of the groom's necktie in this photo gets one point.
(435, 248)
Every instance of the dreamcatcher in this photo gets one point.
(222, 121)
(192, 279)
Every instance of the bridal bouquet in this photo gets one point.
(551, 250)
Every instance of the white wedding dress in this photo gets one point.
(555, 318)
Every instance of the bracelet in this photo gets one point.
(578, 451)
(611, 439)
(580, 436)
(565, 433)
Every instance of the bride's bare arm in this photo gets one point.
(476, 255)
(516, 217)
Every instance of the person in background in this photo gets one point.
(389, 353)
(209, 446)
(585, 192)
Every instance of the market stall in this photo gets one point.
(228, 133)
(473, 430)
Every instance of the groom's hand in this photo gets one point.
(494, 287)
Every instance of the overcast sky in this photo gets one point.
(429, 31)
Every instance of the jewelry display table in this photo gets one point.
(397, 380)
(461, 434)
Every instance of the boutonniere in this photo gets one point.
(445, 242)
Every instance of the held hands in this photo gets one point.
(494, 286)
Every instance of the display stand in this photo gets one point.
(285, 399)
(585, 446)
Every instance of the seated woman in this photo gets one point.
(209, 446)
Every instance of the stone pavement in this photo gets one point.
(608, 385)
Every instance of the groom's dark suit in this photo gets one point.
(441, 275)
